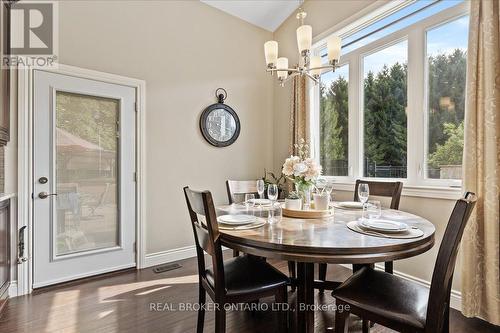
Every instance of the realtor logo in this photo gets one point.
(32, 28)
(33, 34)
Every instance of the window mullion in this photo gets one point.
(355, 119)
(415, 108)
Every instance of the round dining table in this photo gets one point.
(326, 240)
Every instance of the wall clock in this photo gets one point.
(219, 123)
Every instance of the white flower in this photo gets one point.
(288, 166)
(313, 170)
(299, 169)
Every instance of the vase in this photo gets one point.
(304, 191)
(321, 201)
(294, 204)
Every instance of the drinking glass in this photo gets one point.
(363, 194)
(249, 200)
(260, 188)
(272, 194)
(374, 209)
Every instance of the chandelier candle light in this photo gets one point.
(311, 66)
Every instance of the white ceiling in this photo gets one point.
(267, 14)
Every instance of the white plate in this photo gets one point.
(240, 219)
(350, 204)
(383, 225)
(260, 202)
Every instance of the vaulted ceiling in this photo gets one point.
(267, 14)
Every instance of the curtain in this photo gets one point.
(480, 244)
(298, 113)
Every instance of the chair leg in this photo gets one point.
(201, 311)
(322, 274)
(341, 320)
(366, 326)
(446, 322)
(282, 301)
(389, 267)
(236, 253)
(292, 272)
(220, 319)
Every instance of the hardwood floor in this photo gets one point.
(122, 303)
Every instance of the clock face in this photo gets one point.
(220, 125)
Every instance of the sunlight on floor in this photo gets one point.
(144, 287)
(61, 299)
(142, 293)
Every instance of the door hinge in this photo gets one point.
(136, 107)
(135, 247)
(135, 177)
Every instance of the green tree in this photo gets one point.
(385, 116)
(450, 152)
(334, 113)
(446, 84)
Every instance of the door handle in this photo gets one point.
(45, 195)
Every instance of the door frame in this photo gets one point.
(25, 162)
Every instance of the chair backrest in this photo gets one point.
(439, 295)
(240, 187)
(206, 232)
(382, 189)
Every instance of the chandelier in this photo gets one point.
(311, 66)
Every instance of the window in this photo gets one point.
(385, 98)
(333, 122)
(446, 69)
(395, 108)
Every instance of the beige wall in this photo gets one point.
(184, 50)
(323, 15)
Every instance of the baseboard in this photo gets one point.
(168, 256)
(13, 289)
(455, 296)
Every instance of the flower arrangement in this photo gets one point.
(302, 169)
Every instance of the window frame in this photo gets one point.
(417, 90)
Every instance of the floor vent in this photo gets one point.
(166, 268)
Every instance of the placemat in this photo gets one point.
(254, 225)
(412, 233)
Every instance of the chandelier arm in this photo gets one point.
(290, 77)
(329, 67)
(309, 75)
(289, 70)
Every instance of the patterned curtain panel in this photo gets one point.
(480, 245)
(298, 114)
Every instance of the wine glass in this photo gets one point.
(272, 194)
(363, 194)
(260, 188)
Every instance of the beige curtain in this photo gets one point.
(298, 113)
(480, 244)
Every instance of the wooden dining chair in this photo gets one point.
(236, 189)
(401, 304)
(242, 279)
(381, 189)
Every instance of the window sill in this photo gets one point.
(434, 192)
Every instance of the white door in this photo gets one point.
(83, 177)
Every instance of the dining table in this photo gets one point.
(326, 240)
